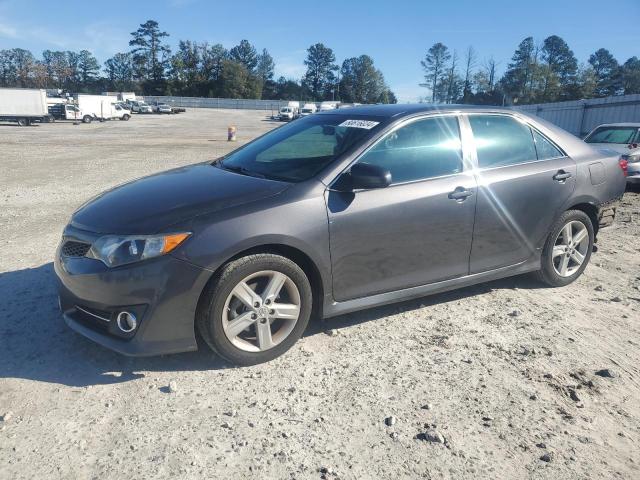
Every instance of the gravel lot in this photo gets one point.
(493, 381)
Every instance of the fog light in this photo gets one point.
(126, 322)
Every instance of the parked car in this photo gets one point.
(159, 107)
(308, 109)
(623, 138)
(138, 106)
(175, 109)
(287, 114)
(332, 213)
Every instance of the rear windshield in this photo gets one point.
(613, 135)
(302, 148)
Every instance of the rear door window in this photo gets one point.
(544, 148)
(502, 140)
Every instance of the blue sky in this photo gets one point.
(396, 33)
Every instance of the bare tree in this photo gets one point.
(490, 66)
(470, 64)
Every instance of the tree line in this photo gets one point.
(196, 69)
(537, 73)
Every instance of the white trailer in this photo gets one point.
(23, 105)
(328, 105)
(122, 96)
(99, 107)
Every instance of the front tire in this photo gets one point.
(567, 250)
(256, 310)
(87, 119)
(126, 117)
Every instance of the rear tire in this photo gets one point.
(220, 308)
(567, 250)
(125, 117)
(23, 122)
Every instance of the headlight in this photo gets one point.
(632, 158)
(114, 250)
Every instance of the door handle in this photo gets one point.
(460, 194)
(561, 176)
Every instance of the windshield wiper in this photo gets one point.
(241, 170)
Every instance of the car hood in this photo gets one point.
(149, 204)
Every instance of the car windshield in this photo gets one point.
(301, 149)
(613, 135)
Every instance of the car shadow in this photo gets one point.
(36, 344)
(525, 282)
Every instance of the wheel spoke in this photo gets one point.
(566, 234)
(246, 295)
(286, 311)
(580, 236)
(557, 251)
(577, 257)
(564, 264)
(274, 286)
(239, 324)
(263, 332)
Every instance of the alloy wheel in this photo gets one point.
(261, 311)
(570, 248)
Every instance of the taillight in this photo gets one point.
(624, 164)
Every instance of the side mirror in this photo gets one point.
(365, 175)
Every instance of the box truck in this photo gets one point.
(24, 106)
(99, 107)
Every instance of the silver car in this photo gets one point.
(622, 138)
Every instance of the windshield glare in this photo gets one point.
(298, 150)
(613, 135)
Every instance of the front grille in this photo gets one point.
(72, 248)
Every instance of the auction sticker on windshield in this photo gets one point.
(366, 124)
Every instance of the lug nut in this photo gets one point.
(254, 316)
(267, 301)
(271, 312)
(257, 304)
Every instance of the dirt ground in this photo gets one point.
(493, 381)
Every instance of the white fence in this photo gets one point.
(233, 103)
(581, 116)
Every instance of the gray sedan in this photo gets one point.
(332, 213)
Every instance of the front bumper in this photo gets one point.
(162, 292)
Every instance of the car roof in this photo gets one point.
(623, 124)
(400, 110)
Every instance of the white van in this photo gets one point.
(308, 109)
